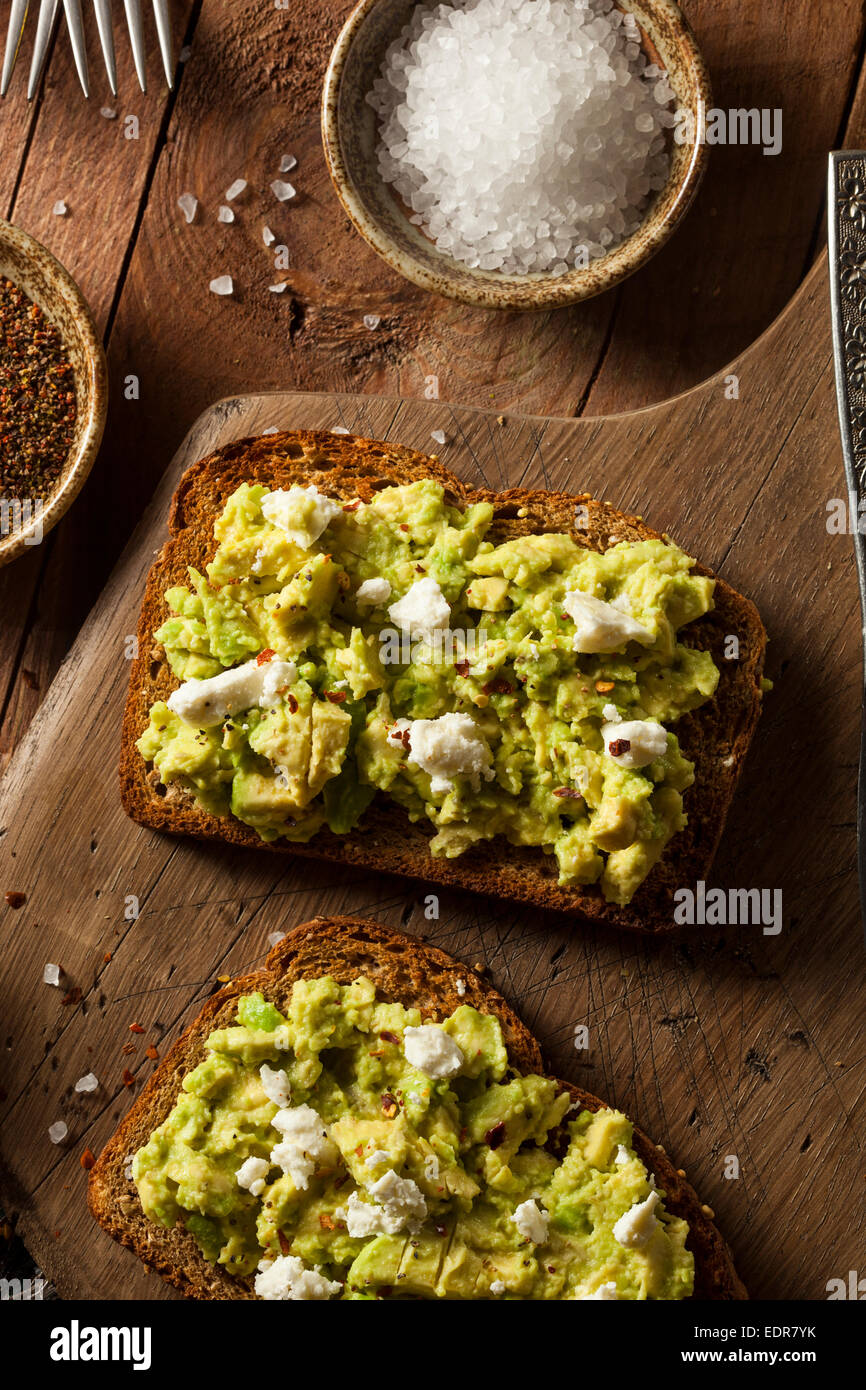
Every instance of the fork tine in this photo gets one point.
(17, 16)
(163, 29)
(75, 25)
(106, 38)
(136, 38)
(48, 11)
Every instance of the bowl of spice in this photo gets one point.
(53, 391)
(520, 154)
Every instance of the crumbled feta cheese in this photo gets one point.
(305, 1142)
(398, 1204)
(58, 1132)
(634, 742)
(377, 1159)
(461, 988)
(497, 1287)
(302, 512)
(206, 703)
(373, 591)
(431, 1050)
(51, 975)
(604, 1291)
(275, 1085)
(448, 747)
(600, 627)
(532, 1221)
(252, 1174)
(87, 1083)
(611, 714)
(635, 1228)
(287, 1277)
(423, 610)
(622, 1156)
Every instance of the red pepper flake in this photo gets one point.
(326, 1221)
(106, 958)
(391, 1038)
(402, 736)
(495, 1136)
(127, 1078)
(498, 687)
(569, 792)
(87, 1160)
(135, 1028)
(403, 526)
(352, 506)
(340, 1181)
(16, 900)
(389, 1105)
(265, 656)
(618, 746)
(285, 1246)
(152, 1053)
(462, 668)
(336, 697)
(73, 997)
(293, 705)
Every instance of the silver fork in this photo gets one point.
(45, 26)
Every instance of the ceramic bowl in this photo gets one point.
(349, 132)
(31, 267)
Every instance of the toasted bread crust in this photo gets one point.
(404, 970)
(716, 737)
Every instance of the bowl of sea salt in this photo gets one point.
(516, 154)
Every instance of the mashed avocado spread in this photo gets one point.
(525, 689)
(346, 1149)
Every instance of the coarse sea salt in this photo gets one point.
(372, 321)
(87, 1083)
(282, 191)
(58, 1132)
(235, 189)
(60, 209)
(525, 135)
(275, 937)
(223, 284)
(225, 214)
(188, 204)
(51, 975)
(288, 163)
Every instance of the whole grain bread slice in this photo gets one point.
(404, 970)
(715, 737)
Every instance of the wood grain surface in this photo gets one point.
(249, 93)
(722, 1042)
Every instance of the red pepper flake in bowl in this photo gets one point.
(37, 398)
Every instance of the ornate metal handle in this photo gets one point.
(846, 215)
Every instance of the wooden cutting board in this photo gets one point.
(742, 1053)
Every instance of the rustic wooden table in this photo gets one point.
(249, 93)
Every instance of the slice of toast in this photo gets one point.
(716, 737)
(404, 970)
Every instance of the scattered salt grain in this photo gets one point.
(438, 436)
(276, 936)
(235, 189)
(279, 288)
(188, 204)
(272, 429)
(524, 136)
(87, 1083)
(57, 1132)
(339, 429)
(223, 284)
(225, 214)
(108, 112)
(60, 209)
(51, 975)
(282, 191)
(372, 321)
(268, 237)
(288, 163)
